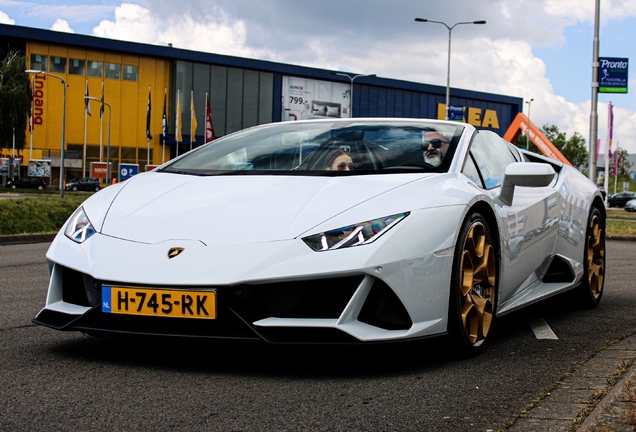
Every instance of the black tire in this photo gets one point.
(97, 188)
(591, 288)
(74, 188)
(473, 291)
(13, 186)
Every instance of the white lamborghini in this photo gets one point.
(333, 231)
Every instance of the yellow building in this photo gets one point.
(240, 92)
(125, 82)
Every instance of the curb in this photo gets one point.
(594, 396)
(10, 240)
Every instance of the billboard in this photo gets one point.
(613, 75)
(4, 166)
(98, 170)
(313, 99)
(39, 168)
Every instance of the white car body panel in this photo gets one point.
(238, 230)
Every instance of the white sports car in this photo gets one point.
(348, 230)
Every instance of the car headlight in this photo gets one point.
(353, 235)
(79, 227)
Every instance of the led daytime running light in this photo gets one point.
(353, 235)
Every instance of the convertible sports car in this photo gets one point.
(332, 231)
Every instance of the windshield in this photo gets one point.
(345, 147)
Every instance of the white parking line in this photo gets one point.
(541, 329)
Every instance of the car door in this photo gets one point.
(527, 235)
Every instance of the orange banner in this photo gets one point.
(522, 124)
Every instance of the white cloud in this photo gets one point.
(62, 26)
(4, 19)
(135, 23)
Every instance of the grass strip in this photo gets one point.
(36, 215)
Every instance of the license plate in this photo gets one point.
(159, 302)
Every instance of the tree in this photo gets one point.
(623, 166)
(574, 149)
(15, 100)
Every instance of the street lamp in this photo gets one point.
(351, 77)
(528, 102)
(450, 29)
(110, 111)
(39, 72)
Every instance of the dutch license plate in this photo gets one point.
(159, 302)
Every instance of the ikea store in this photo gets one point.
(138, 83)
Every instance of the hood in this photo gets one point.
(239, 209)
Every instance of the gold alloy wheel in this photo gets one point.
(477, 284)
(595, 256)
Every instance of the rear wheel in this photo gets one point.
(473, 286)
(591, 289)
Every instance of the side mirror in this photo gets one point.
(526, 174)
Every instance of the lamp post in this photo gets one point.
(529, 103)
(39, 72)
(110, 111)
(595, 85)
(351, 77)
(450, 29)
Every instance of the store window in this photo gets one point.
(58, 64)
(113, 71)
(95, 69)
(76, 66)
(130, 73)
(39, 62)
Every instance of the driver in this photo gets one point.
(435, 146)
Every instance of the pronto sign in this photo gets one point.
(613, 75)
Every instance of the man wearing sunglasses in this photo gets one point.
(435, 146)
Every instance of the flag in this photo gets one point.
(193, 119)
(209, 129)
(87, 101)
(616, 155)
(177, 123)
(32, 107)
(148, 117)
(101, 110)
(610, 126)
(164, 121)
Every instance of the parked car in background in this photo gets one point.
(630, 205)
(27, 183)
(84, 184)
(620, 199)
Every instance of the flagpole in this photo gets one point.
(191, 116)
(148, 127)
(164, 126)
(609, 150)
(31, 123)
(101, 129)
(85, 128)
(176, 138)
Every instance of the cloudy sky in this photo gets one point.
(534, 49)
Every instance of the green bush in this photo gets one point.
(36, 215)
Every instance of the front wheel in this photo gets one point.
(473, 286)
(591, 289)
(74, 188)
